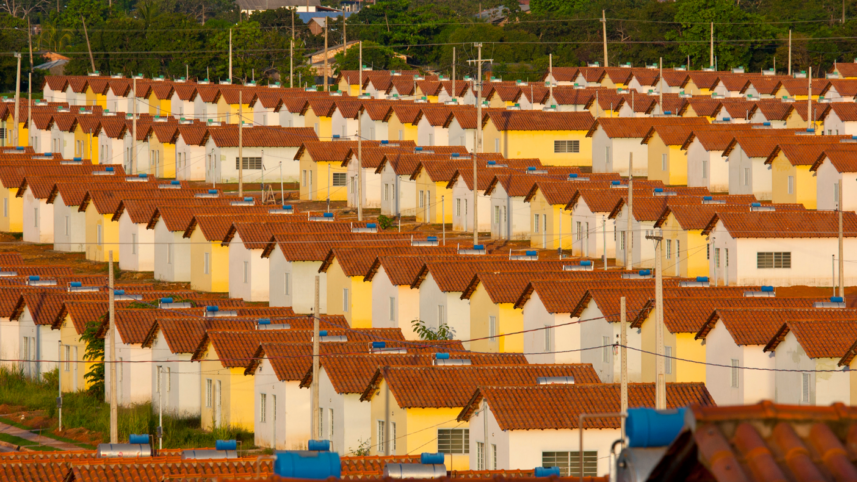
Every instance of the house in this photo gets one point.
(706, 165)
(519, 442)
(399, 193)
(431, 178)
(616, 140)
(547, 200)
(349, 293)
(746, 155)
(417, 408)
(800, 353)
(779, 115)
(69, 222)
(592, 227)
(281, 143)
(668, 162)
(72, 323)
(369, 160)
(400, 122)
(462, 187)
(345, 119)
(736, 337)
(112, 133)
(38, 225)
(318, 116)
(461, 128)
(830, 168)
(841, 119)
(557, 138)
(372, 118)
(765, 246)
(793, 181)
(322, 174)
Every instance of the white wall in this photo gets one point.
(38, 221)
(567, 337)
(753, 385)
(456, 312)
(133, 375)
(827, 177)
(172, 254)
(619, 154)
(275, 427)
(352, 418)
(717, 179)
(136, 245)
(462, 220)
(405, 303)
(10, 343)
(461, 137)
(181, 396)
(761, 181)
(302, 275)
(255, 286)
(69, 216)
(594, 227)
(272, 157)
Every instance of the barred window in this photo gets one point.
(569, 462)
(340, 178)
(566, 146)
(453, 440)
(774, 260)
(250, 163)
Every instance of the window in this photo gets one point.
(158, 380)
(607, 350)
(480, 456)
(623, 240)
(707, 251)
(569, 462)
(382, 436)
(274, 408)
(579, 231)
(734, 373)
(320, 423)
(663, 162)
(774, 260)
(392, 309)
(791, 184)
(250, 163)
(340, 179)
(263, 405)
(67, 226)
(36, 217)
(133, 244)
(560, 147)
(607, 154)
(668, 361)
(169, 379)
(835, 196)
(5, 208)
(458, 207)
(746, 176)
(246, 271)
(726, 257)
(669, 248)
(805, 380)
(345, 304)
(496, 214)
(536, 223)
(677, 249)
(304, 179)
(392, 437)
(717, 257)
(493, 457)
(98, 235)
(431, 140)
(206, 265)
(401, 135)
(286, 283)
(548, 338)
(208, 393)
(67, 358)
(705, 169)
(492, 327)
(422, 201)
(496, 145)
(440, 317)
(453, 440)
(330, 424)
(386, 192)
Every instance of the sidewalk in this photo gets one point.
(37, 439)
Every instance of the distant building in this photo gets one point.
(250, 6)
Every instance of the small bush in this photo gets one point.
(385, 222)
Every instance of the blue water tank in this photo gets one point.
(327, 215)
(707, 198)
(659, 189)
(647, 427)
(264, 321)
(322, 332)
(143, 175)
(767, 289)
(531, 168)
(837, 299)
(546, 471)
(418, 149)
(308, 465)
(702, 279)
(586, 263)
(166, 300)
(225, 445)
(379, 344)
(756, 205)
(441, 356)
(212, 191)
(371, 225)
(75, 284)
(431, 238)
(318, 445)
(142, 439)
(478, 246)
(385, 142)
(532, 253)
(212, 309)
(109, 169)
(118, 292)
(431, 459)
(454, 154)
(573, 175)
(34, 278)
(491, 163)
(287, 206)
(616, 183)
(645, 272)
(248, 199)
(175, 183)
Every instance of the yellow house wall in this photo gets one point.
(236, 394)
(686, 348)
(549, 238)
(168, 161)
(397, 416)
(438, 211)
(247, 112)
(675, 173)
(395, 126)
(693, 252)
(647, 338)
(217, 280)
(537, 144)
(14, 221)
(70, 338)
(109, 235)
(804, 183)
(509, 320)
(89, 142)
(359, 311)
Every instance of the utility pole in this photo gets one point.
(160, 408)
(241, 147)
(325, 56)
(114, 411)
(810, 122)
(88, 47)
(660, 362)
(711, 54)
(442, 219)
(344, 38)
(360, 138)
(477, 147)
(230, 55)
(629, 255)
(841, 246)
(292, 53)
(30, 109)
(30, 41)
(623, 352)
(59, 372)
(134, 127)
(452, 94)
(661, 86)
(843, 11)
(17, 103)
(790, 52)
(550, 71)
(604, 35)
(315, 354)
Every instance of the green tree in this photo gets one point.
(375, 56)
(94, 353)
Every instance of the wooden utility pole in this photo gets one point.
(134, 127)
(711, 54)
(841, 245)
(623, 352)
(629, 238)
(114, 410)
(809, 119)
(88, 47)
(30, 108)
(360, 137)
(325, 56)
(241, 146)
(17, 115)
(661, 86)
(344, 38)
(660, 361)
(30, 41)
(790, 52)
(292, 53)
(230, 55)
(477, 147)
(604, 35)
(550, 71)
(314, 416)
(452, 94)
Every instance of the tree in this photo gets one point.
(443, 332)
(94, 353)
(375, 56)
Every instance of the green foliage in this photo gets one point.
(362, 449)
(385, 222)
(375, 56)
(94, 353)
(425, 332)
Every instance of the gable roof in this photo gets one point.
(757, 325)
(793, 224)
(529, 120)
(819, 338)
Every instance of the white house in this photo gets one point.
(373, 118)
(841, 119)
(248, 271)
(778, 248)
(265, 150)
(831, 168)
(394, 303)
(510, 215)
(175, 381)
(706, 165)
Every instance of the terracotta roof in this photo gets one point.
(565, 295)
(52, 271)
(215, 227)
(178, 218)
(693, 217)
(372, 156)
(774, 110)
(608, 301)
(404, 163)
(455, 277)
(262, 136)
(291, 361)
(507, 287)
(9, 297)
(650, 208)
(845, 87)
(257, 235)
(358, 261)
(45, 306)
(330, 151)
(529, 120)
(756, 326)
(689, 315)
(633, 128)
(319, 249)
(107, 201)
(558, 407)
(843, 160)
(794, 224)
(807, 154)
(352, 373)
(818, 338)
(156, 469)
(438, 387)
(401, 270)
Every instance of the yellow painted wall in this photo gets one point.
(549, 238)
(648, 345)
(686, 348)
(14, 222)
(805, 186)
(676, 168)
(236, 394)
(89, 142)
(437, 209)
(359, 311)
(395, 126)
(70, 338)
(217, 279)
(693, 254)
(246, 113)
(321, 172)
(509, 320)
(537, 144)
(109, 235)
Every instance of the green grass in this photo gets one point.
(86, 411)
(22, 442)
